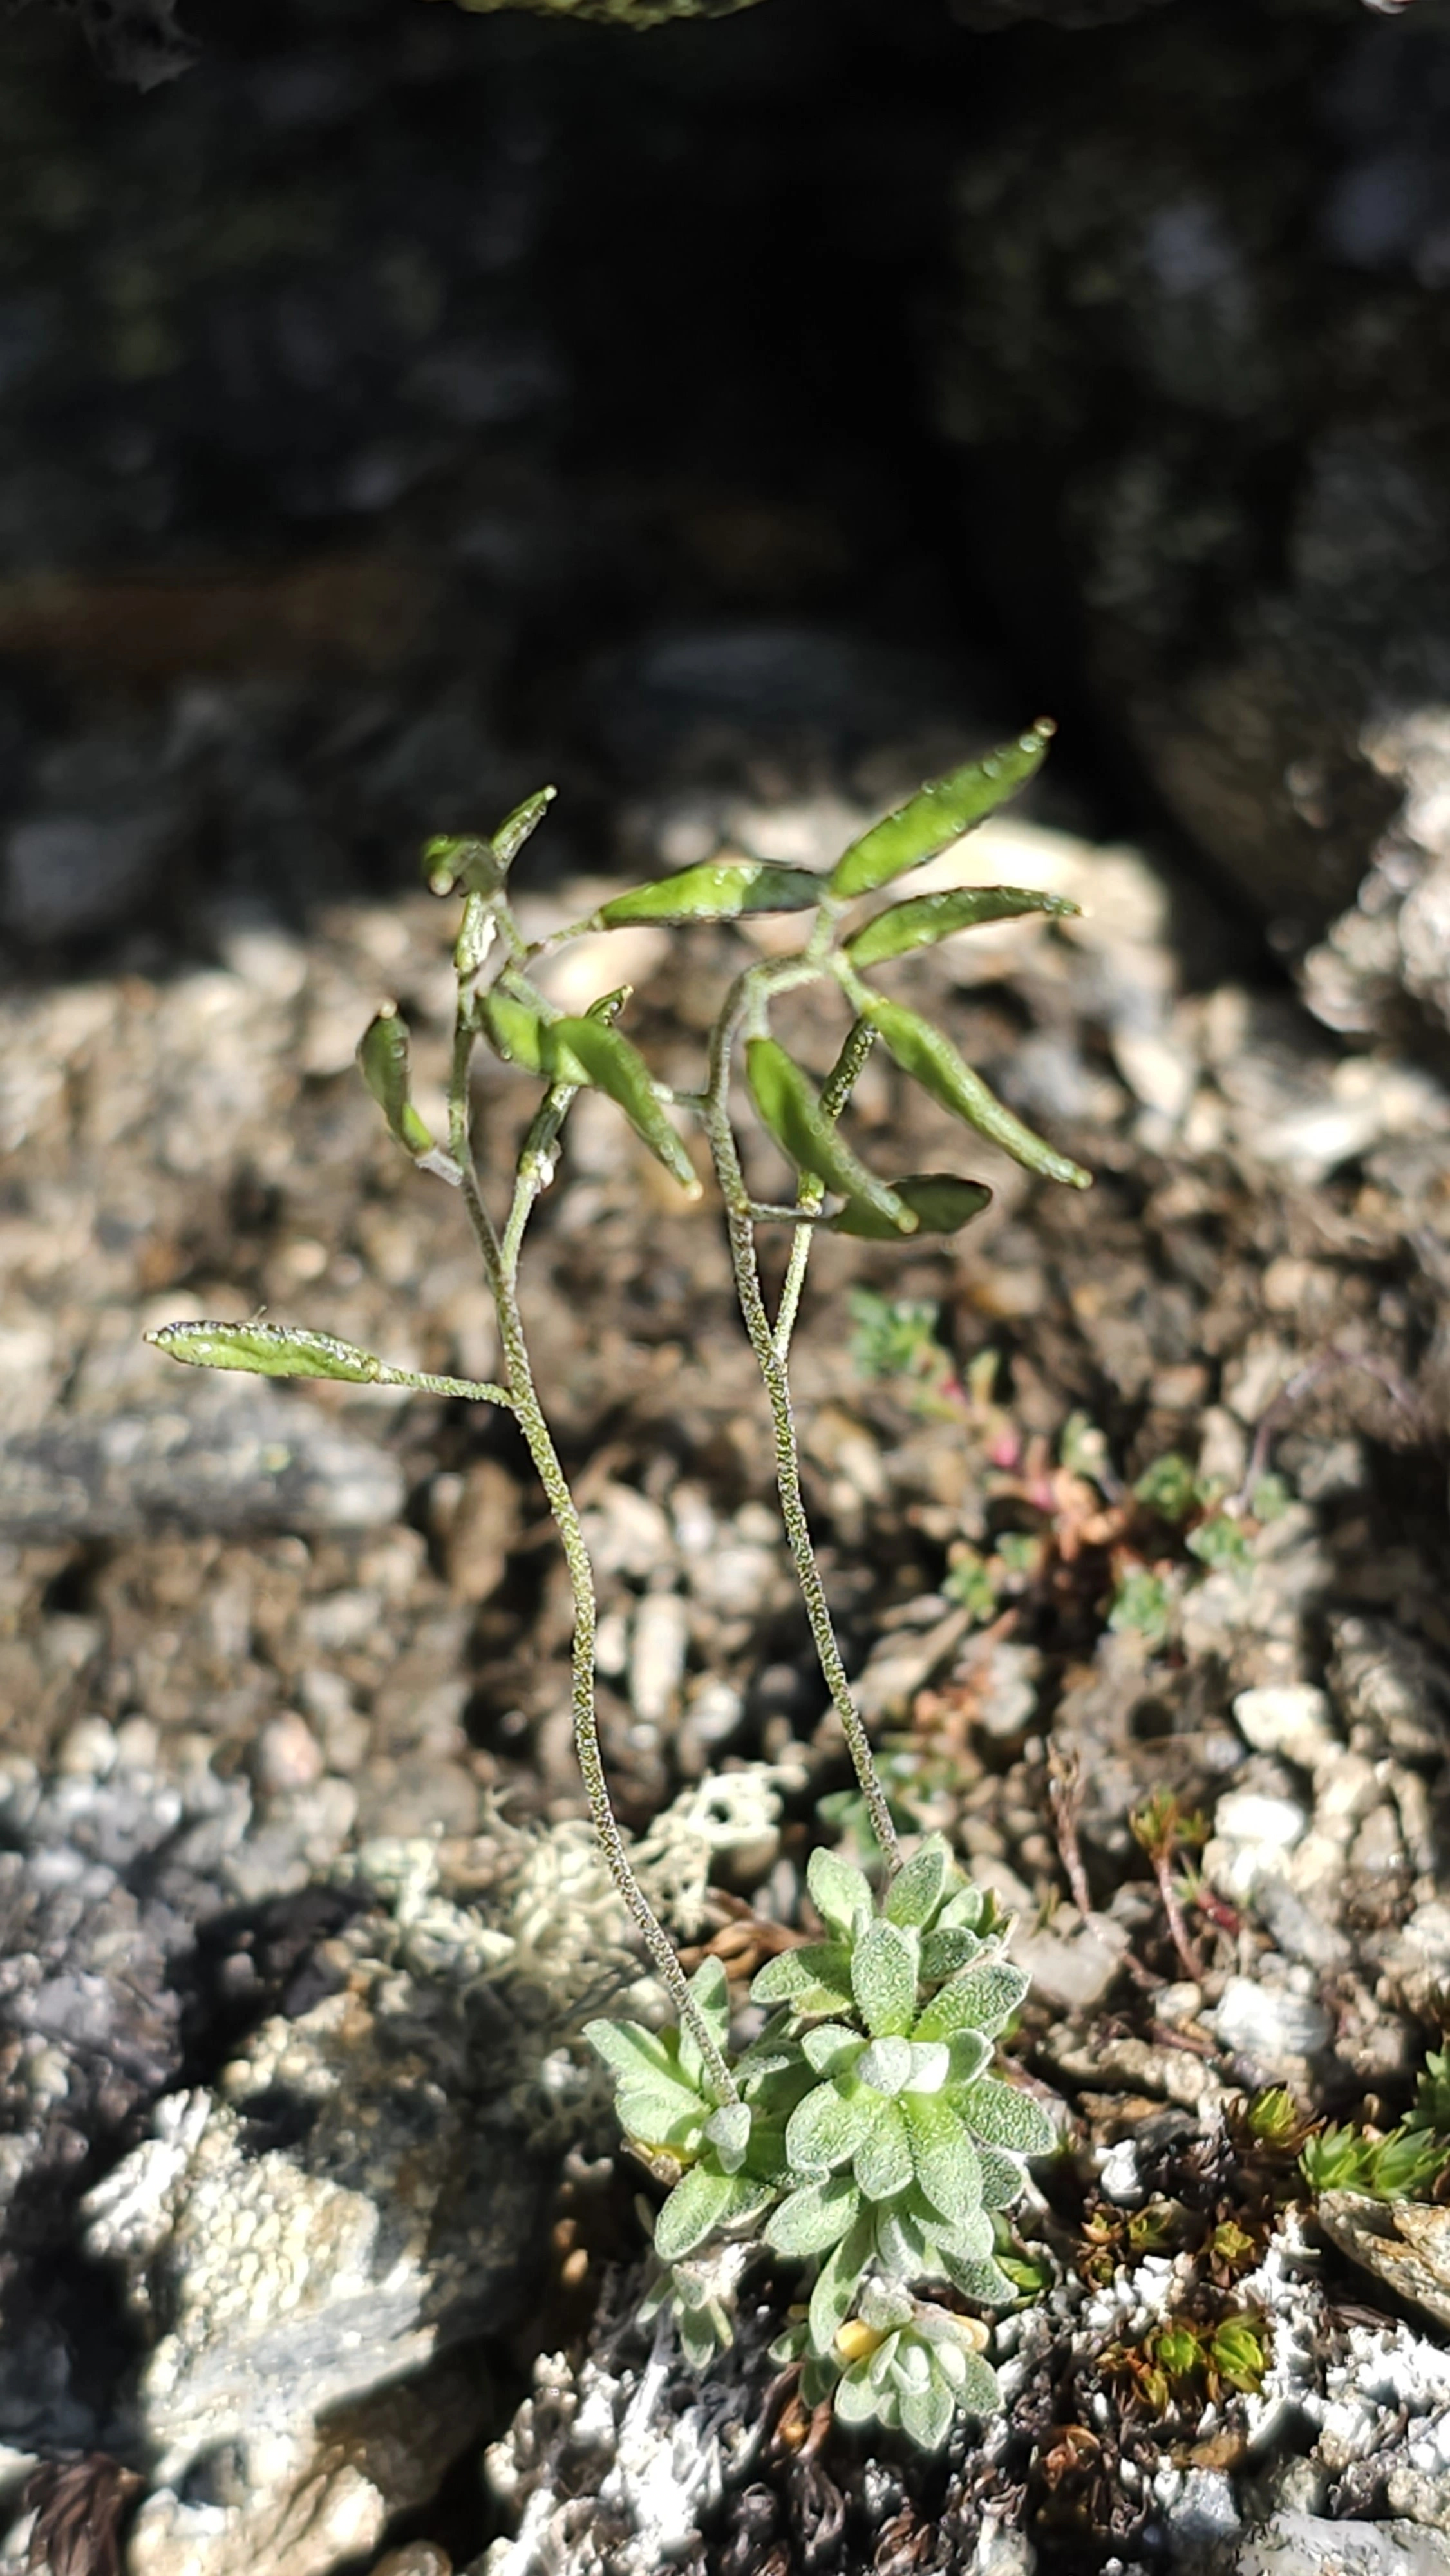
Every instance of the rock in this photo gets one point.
(1294, 1722)
(245, 1463)
(1406, 2245)
(1072, 1963)
(659, 1642)
(1301, 2544)
(481, 1526)
(1272, 2027)
(1235, 264)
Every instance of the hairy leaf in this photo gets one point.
(944, 2156)
(825, 2130)
(834, 2295)
(917, 1890)
(938, 815)
(1006, 2117)
(982, 1997)
(928, 918)
(814, 2218)
(839, 1892)
(717, 890)
(883, 1978)
(882, 2163)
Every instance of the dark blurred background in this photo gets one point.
(401, 406)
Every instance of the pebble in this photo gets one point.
(1072, 1963)
(1301, 2544)
(659, 1642)
(1295, 1722)
(1272, 2028)
(286, 1756)
(88, 1750)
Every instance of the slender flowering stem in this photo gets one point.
(740, 1232)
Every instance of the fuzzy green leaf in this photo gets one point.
(702, 2203)
(963, 1912)
(982, 2279)
(883, 1979)
(855, 2398)
(814, 2218)
(945, 1953)
(824, 2131)
(971, 2054)
(926, 2414)
(941, 1202)
(886, 2066)
(632, 2052)
(931, 2065)
(657, 2115)
(790, 1111)
(832, 2049)
(840, 1893)
(834, 2295)
(980, 2393)
(586, 1050)
(983, 1997)
(266, 1350)
(944, 2156)
(798, 1977)
(1001, 2179)
(928, 1055)
(728, 2132)
(882, 2163)
(1007, 2117)
(885, 2305)
(917, 1890)
(901, 2242)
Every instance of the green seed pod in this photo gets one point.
(939, 815)
(266, 1350)
(383, 1061)
(720, 890)
(929, 1056)
(588, 1050)
(479, 867)
(940, 1203)
(516, 1031)
(790, 1110)
(927, 918)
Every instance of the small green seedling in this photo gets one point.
(861, 2134)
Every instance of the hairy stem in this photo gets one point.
(836, 1090)
(524, 1399)
(740, 1231)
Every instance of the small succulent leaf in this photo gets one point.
(886, 2066)
(980, 2279)
(814, 2218)
(882, 2362)
(790, 1111)
(883, 2163)
(927, 1054)
(834, 2295)
(941, 1202)
(266, 1350)
(832, 2049)
(911, 2366)
(855, 2398)
(824, 2131)
(916, 1891)
(695, 2209)
(938, 815)
(728, 2132)
(945, 1953)
(792, 1974)
(711, 1992)
(717, 890)
(950, 2361)
(931, 2064)
(1004, 2116)
(971, 2240)
(926, 2414)
(840, 1893)
(885, 2305)
(884, 1978)
(980, 2393)
(1001, 2178)
(982, 1997)
(586, 1050)
(944, 2156)
(927, 918)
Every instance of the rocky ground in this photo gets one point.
(357, 475)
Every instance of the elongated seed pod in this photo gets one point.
(266, 1350)
(940, 1203)
(928, 1055)
(474, 866)
(516, 1031)
(925, 918)
(790, 1109)
(383, 1062)
(718, 890)
(939, 814)
(588, 1050)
